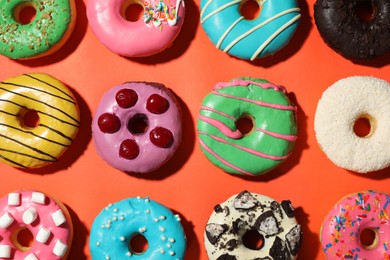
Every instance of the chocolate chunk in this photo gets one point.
(245, 200)
(275, 206)
(279, 250)
(231, 244)
(288, 208)
(237, 225)
(294, 238)
(218, 209)
(268, 224)
(214, 231)
(263, 258)
(226, 257)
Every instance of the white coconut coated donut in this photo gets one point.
(340, 106)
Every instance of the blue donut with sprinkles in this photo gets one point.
(249, 39)
(116, 225)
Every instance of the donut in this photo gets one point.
(271, 138)
(118, 224)
(348, 32)
(160, 24)
(46, 219)
(228, 231)
(39, 119)
(340, 107)
(52, 26)
(137, 126)
(248, 39)
(347, 228)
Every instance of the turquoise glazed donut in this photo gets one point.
(115, 226)
(247, 39)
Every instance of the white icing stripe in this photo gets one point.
(6, 220)
(205, 7)
(220, 9)
(274, 35)
(228, 31)
(239, 38)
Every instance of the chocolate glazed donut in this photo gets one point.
(344, 29)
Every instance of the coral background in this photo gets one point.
(189, 184)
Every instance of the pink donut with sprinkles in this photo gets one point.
(358, 227)
(46, 219)
(137, 126)
(155, 31)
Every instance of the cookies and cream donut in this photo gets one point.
(52, 26)
(117, 224)
(46, 219)
(345, 231)
(137, 126)
(350, 35)
(248, 39)
(226, 232)
(39, 119)
(160, 24)
(341, 105)
(269, 142)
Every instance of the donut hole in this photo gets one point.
(138, 244)
(28, 118)
(132, 11)
(25, 13)
(245, 124)
(250, 9)
(369, 238)
(138, 124)
(364, 126)
(23, 239)
(365, 11)
(253, 240)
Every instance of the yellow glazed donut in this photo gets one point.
(39, 119)
(340, 107)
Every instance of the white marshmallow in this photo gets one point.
(38, 197)
(6, 220)
(31, 257)
(43, 235)
(29, 216)
(58, 217)
(14, 199)
(60, 248)
(5, 251)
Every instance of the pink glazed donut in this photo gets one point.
(357, 227)
(160, 24)
(46, 219)
(137, 126)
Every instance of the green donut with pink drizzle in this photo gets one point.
(271, 138)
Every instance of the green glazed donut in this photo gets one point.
(53, 23)
(271, 138)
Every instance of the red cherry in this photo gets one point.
(129, 149)
(156, 104)
(109, 123)
(161, 137)
(126, 98)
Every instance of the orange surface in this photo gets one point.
(189, 184)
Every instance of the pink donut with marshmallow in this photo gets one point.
(155, 31)
(46, 219)
(137, 126)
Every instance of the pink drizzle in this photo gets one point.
(221, 127)
(259, 103)
(290, 138)
(223, 160)
(239, 82)
(246, 149)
